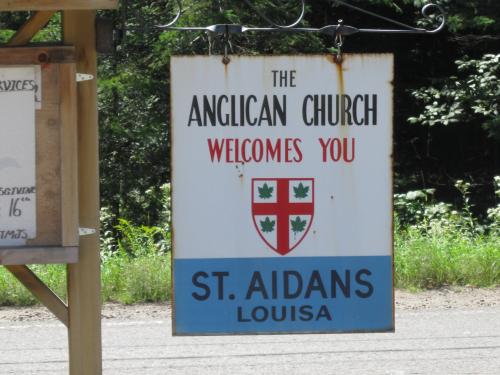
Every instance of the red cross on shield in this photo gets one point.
(283, 211)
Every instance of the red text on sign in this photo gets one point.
(234, 150)
(338, 149)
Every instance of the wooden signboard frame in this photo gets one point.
(56, 160)
(82, 311)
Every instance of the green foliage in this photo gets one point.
(139, 279)
(474, 95)
(410, 207)
(418, 211)
(267, 226)
(445, 246)
(13, 293)
(52, 32)
(494, 212)
(134, 269)
(445, 258)
(471, 16)
(128, 238)
(133, 106)
(139, 241)
(5, 35)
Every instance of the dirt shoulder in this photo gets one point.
(440, 299)
(448, 298)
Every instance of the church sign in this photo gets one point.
(282, 194)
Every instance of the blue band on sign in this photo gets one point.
(283, 295)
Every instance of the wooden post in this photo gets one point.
(85, 349)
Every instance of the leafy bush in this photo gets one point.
(494, 212)
(438, 245)
(472, 95)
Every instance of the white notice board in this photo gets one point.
(17, 155)
(282, 194)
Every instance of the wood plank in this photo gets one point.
(38, 255)
(20, 5)
(69, 156)
(84, 281)
(41, 292)
(31, 28)
(48, 161)
(37, 55)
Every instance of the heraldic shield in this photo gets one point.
(283, 211)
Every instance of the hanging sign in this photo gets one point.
(282, 194)
(17, 155)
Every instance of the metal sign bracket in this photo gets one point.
(80, 77)
(86, 231)
(337, 32)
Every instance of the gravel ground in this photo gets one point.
(441, 299)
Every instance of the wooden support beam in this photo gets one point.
(31, 28)
(26, 5)
(84, 280)
(39, 255)
(41, 292)
(37, 55)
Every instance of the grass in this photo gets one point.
(423, 262)
(13, 293)
(435, 245)
(125, 280)
(420, 262)
(138, 280)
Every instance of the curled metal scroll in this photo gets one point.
(427, 11)
(177, 17)
(332, 30)
(274, 25)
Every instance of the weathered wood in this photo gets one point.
(84, 282)
(19, 5)
(36, 55)
(31, 28)
(69, 156)
(38, 255)
(41, 292)
(48, 161)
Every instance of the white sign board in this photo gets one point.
(17, 155)
(282, 194)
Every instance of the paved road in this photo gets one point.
(456, 341)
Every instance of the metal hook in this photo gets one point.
(227, 44)
(337, 44)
